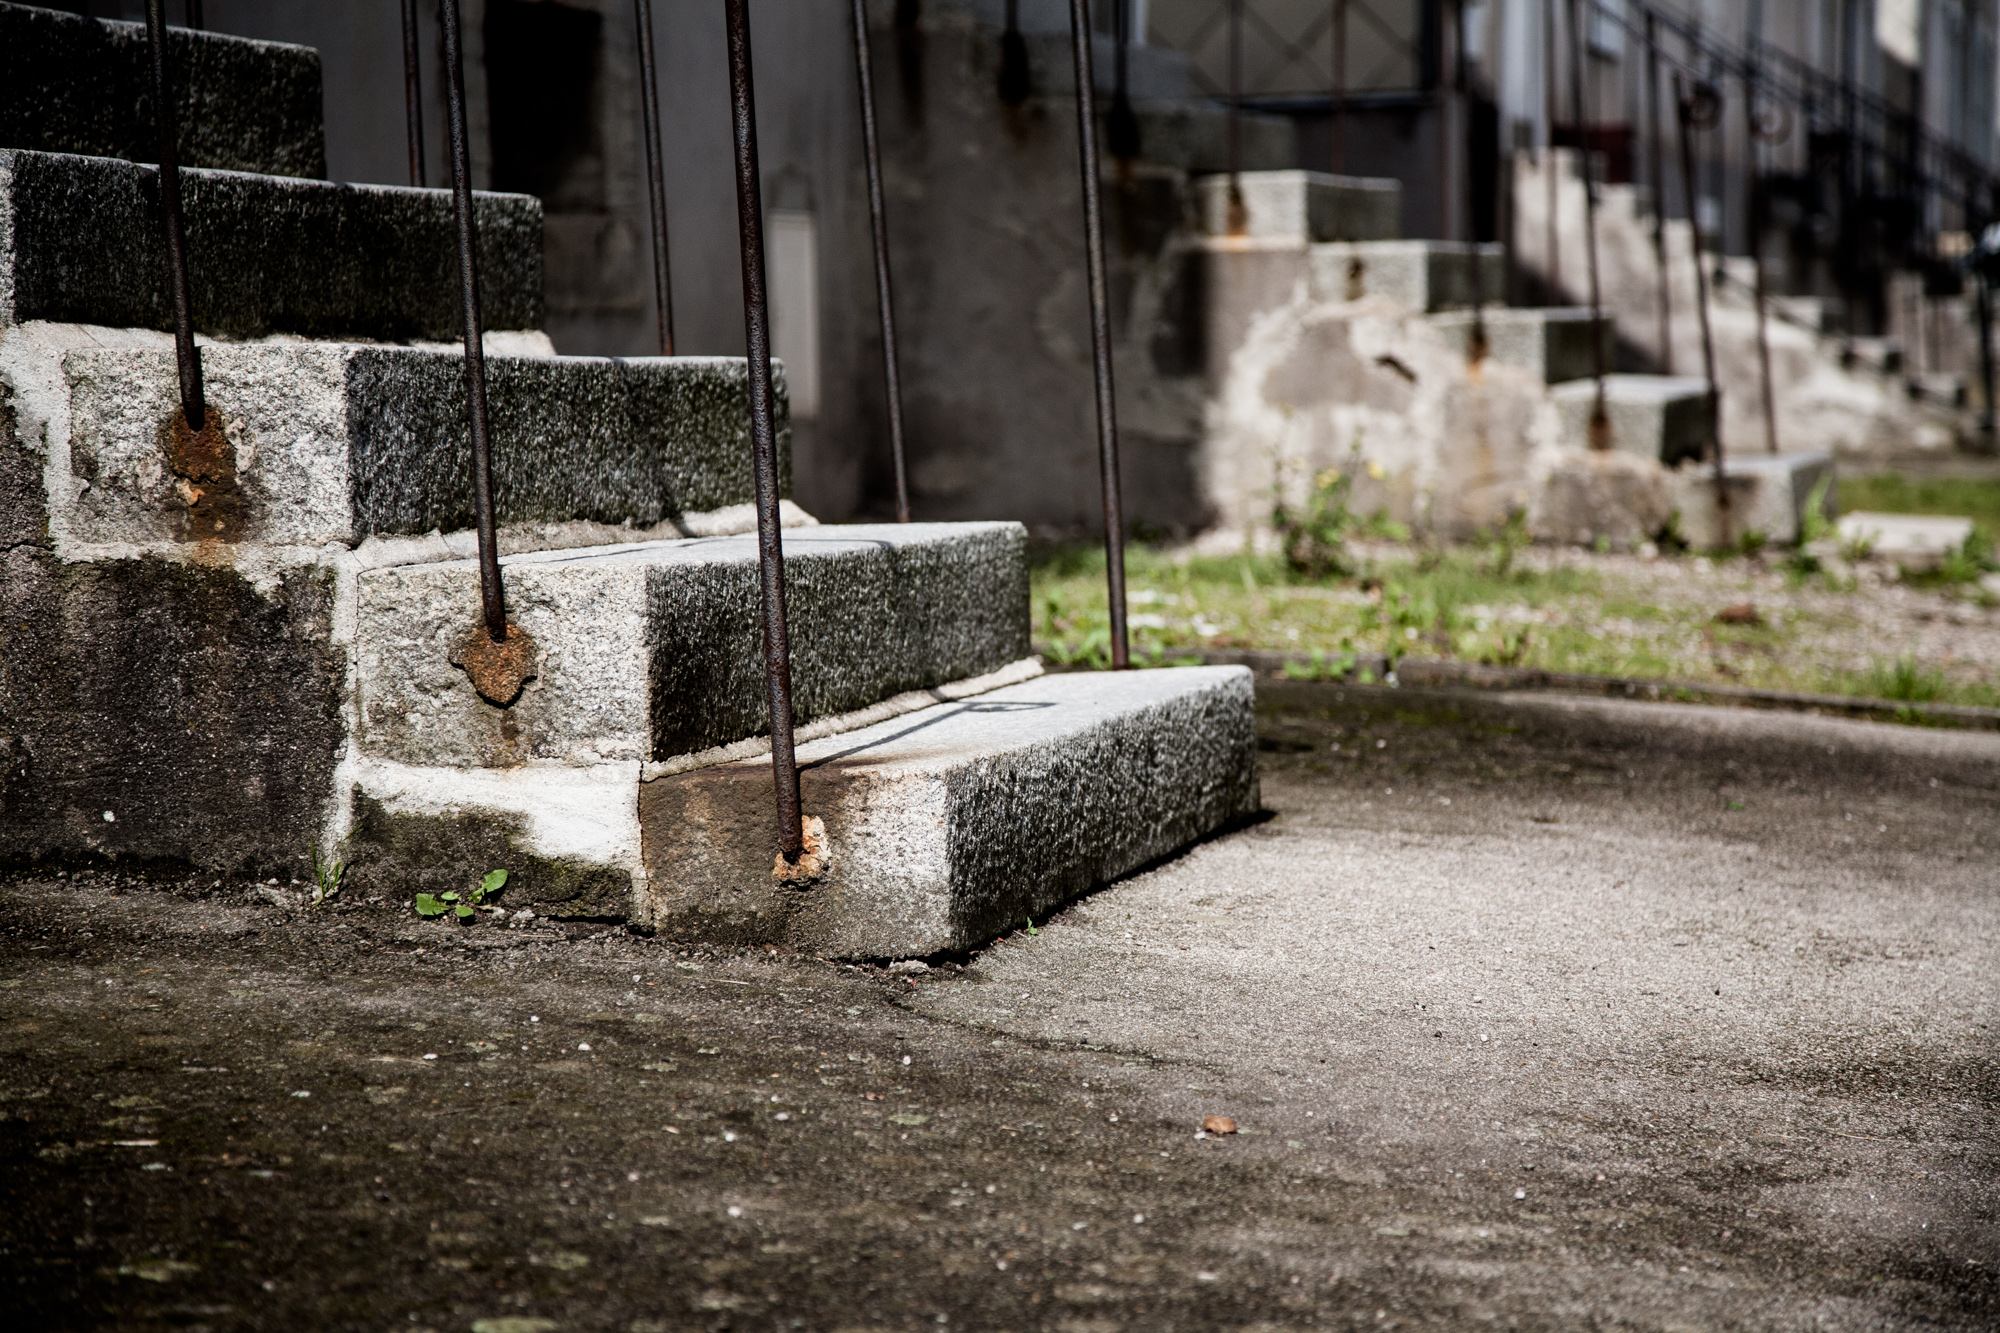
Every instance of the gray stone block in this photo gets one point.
(1768, 494)
(1664, 418)
(70, 84)
(948, 826)
(1552, 343)
(165, 710)
(1423, 275)
(654, 649)
(333, 442)
(82, 241)
(1304, 206)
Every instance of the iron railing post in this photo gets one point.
(656, 177)
(1754, 187)
(1655, 169)
(763, 431)
(1339, 25)
(492, 603)
(1552, 186)
(892, 378)
(187, 357)
(1238, 221)
(1600, 419)
(413, 93)
(1684, 117)
(1100, 330)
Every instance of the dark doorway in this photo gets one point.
(541, 92)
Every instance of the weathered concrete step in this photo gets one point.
(1662, 417)
(653, 650)
(70, 84)
(946, 827)
(1768, 497)
(1553, 343)
(1423, 275)
(334, 442)
(1304, 206)
(81, 240)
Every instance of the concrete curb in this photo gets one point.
(1431, 671)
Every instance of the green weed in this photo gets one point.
(464, 906)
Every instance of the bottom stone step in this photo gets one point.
(1661, 417)
(948, 826)
(1553, 343)
(1768, 498)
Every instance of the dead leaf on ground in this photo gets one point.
(1219, 1124)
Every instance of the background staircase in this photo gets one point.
(1338, 298)
(248, 656)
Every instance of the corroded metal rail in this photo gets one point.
(1699, 108)
(413, 93)
(656, 178)
(763, 431)
(492, 602)
(1100, 328)
(1600, 419)
(187, 357)
(892, 376)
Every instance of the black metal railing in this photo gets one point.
(892, 377)
(187, 357)
(656, 177)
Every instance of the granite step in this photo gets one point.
(652, 651)
(1661, 417)
(81, 241)
(1422, 275)
(83, 85)
(1552, 343)
(338, 442)
(1768, 498)
(1303, 207)
(946, 827)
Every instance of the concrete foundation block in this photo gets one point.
(1664, 418)
(1552, 343)
(946, 827)
(1304, 206)
(333, 442)
(652, 650)
(1767, 494)
(1422, 275)
(1606, 496)
(80, 242)
(84, 85)
(1916, 542)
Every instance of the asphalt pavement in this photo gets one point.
(1528, 1012)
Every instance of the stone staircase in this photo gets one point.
(1318, 291)
(246, 655)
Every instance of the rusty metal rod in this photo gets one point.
(892, 377)
(1600, 419)
(413, 93)
(492, 601)
(1339, 87)
(1238, 220)
(187, 357)
(1656, 170)
(1755, 201)
(1100, 329)
(194, 15)
(763, 431)
(656, 176)
(1549, 94)
(1684, 119)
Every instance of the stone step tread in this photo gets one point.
(84, 85)
(81, 241)
(1665, 418)
(1553, 342)
(1636, 388)
(1424, 275)
(1302, 206)
(652, 650)
(336, 442)
(946, 827)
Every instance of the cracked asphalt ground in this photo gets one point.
(1532, 1012)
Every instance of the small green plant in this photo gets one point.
(327, 874)
(1814, 525)
(1031, 927)
(1751, 541)
(1906, 682)
(1968, 561)
(1504, 542)
(1314, 539)
(1322, 665)
(463, 907)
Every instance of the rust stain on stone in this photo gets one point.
(203, 464)
(813, 862)
(499, 671)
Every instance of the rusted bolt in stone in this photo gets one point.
(498, 670)
(813, 862)
(204, 468)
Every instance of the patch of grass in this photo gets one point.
(1892, 493)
